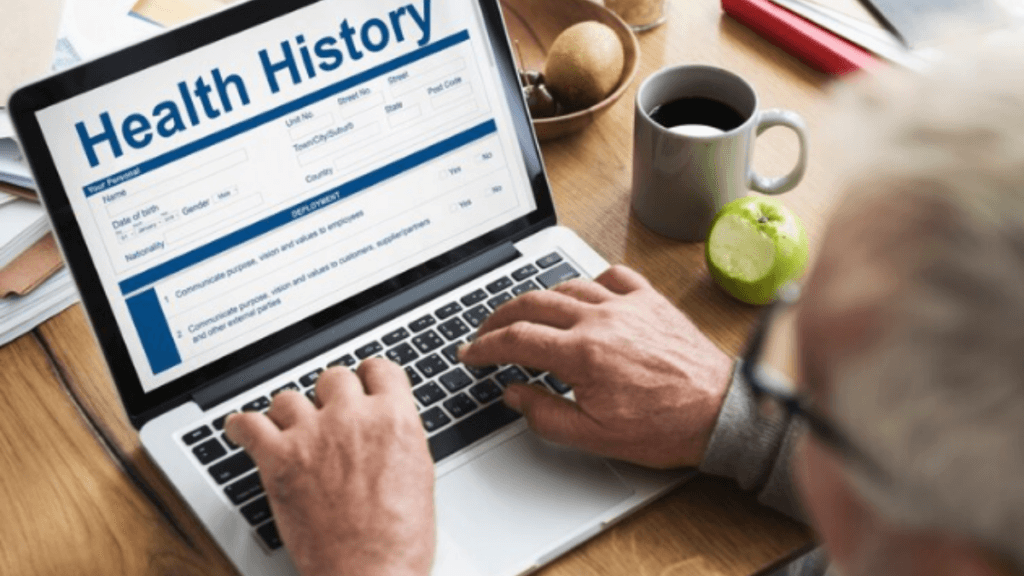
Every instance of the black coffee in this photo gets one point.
(703, 111)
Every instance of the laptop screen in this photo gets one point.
(229, 192)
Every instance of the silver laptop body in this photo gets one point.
(281, 188)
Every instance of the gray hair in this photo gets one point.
(938, 399)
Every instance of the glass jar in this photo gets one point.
(640, 15)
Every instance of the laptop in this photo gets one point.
(283, 187)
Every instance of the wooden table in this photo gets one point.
(79, 496)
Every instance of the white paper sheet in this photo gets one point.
(6, 129)
(95, 27)
(22, 224)
(13, 168)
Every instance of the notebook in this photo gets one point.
(281, 188)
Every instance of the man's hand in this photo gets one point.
(351, 483)
(648, 384)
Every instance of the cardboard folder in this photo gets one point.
(31, 268)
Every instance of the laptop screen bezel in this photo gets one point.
(141, 406)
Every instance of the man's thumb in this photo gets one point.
(551, 417)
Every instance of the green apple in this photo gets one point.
(755, 246)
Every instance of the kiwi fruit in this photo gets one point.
(584, 65)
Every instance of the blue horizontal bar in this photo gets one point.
(305, 208)
(123, 176)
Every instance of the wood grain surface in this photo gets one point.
(79, 496)
(67, 507)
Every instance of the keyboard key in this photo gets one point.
(474, 297)
(448, 309)
(367, 350)
(310, 379)
(268, 533)
(434, 419)
(311, 394)
(219, 422)
(525, 287)
(422, 323)
(549, 260)
(227, 442)
(499, 300)
(524, 272)
(451, 352)
(197, 435)
(244, 489)
(288, 386)
(473, 428)
(556, 384)
(479, 372)
(346, 360)
(231, 468)
(476, 316)
(428, 393)
(485, 391)
(455, 380)
(460, 405)
(427, 341)
(209, 451)
(395, 337)
(257, 405)
(453, 329)
(414, 376)
(557, 275)
(431, 366)
(402, 354)
(257, 511)
(499, 285)
(511, 375)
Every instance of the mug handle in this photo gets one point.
(792, 120)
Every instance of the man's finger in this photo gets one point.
(552, 417)
(539, 307)
(289, 408)
(382, 376)
(254, 432)
(338, 384)
(540, 347)
(622, 280)
(585, 290)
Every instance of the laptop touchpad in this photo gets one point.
(517, 501)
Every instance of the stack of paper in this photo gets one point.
(30, 291)
(19, 314)
(13, 168)
(22, 224)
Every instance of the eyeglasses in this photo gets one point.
(770, 355)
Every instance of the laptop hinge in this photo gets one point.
(360, 322)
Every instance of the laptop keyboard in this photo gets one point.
(458, 404)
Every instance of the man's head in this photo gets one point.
(912, 328)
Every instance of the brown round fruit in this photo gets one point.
(584, 65)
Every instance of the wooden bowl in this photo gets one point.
(534, 25)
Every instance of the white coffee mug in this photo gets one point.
(683, 175)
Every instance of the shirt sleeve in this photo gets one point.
(754, 448)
